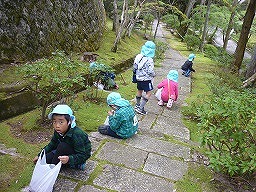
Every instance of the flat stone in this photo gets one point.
(122, 154)
(147, 120)
(79, 174)
(123, 179)
(170, 127)
(64, 185)
(89, 188)
(158, 146)
(165, 167)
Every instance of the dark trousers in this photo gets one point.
(62, 150)
(106, 130)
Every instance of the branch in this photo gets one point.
(249, 81)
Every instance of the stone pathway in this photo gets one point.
(147, 162)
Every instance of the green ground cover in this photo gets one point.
(16, 171)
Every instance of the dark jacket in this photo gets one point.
(187, 65)
(75, 138)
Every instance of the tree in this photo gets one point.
(251, 71)
(133, 21)
(121, 26)
(243, 39)
(230, 23)
(115, 18)
(190, 7)
(251, 68)
(54, 79)
(205, 25)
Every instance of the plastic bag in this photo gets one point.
(158, 93)
(44, 175)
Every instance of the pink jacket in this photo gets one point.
(173, 90)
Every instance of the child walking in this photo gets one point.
(169, 89)
(69, 144)
(144, 69)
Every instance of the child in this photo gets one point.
(187, 66)
(121, 122)
(144, 69)
(69, 144)
(170, 91)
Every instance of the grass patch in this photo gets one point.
(16, 172)
(196, 180)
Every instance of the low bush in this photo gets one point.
(227, 123)
(192, 42)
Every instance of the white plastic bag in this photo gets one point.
(44, 175)
(158, 93)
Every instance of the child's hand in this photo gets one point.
(111, 112)
(64, 159)
(35, 159)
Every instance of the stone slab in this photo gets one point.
(160, 147)
(64, 185)
(165, 167)
(122, 154)
(79, 174)
(89, 188)
(170, 127)
(147, 121)
(123, 179)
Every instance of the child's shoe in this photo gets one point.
(169, 104)
(142, 112)
(81, 167)
(137, 106)
(160, 103)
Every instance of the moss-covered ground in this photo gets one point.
(15, 172)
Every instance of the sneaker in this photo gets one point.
(160, 103)
(81, 166)
(137, 106)
(142, 112)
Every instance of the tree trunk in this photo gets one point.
(251, 68)
(205, 25)
(158, 21)
(243, 39)
(230, 24)
(249, 81)
(121, 27)
(133, 21)
(190, 7)
(115, 18)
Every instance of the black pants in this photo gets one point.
(62, 150)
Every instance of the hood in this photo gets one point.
(191, 57)
(148, 49)
(173, 75)
(64, 110)
(115, 98)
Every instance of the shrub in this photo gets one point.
(172, 21)
(55, 78)
(227, 123)
(161, 47)
(192, 42)
(217, 54)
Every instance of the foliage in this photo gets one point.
(148, 19)
(218, 54)
(192, 42)
(227, 123)
(161, 47)
(171, 20)
(55, 78)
